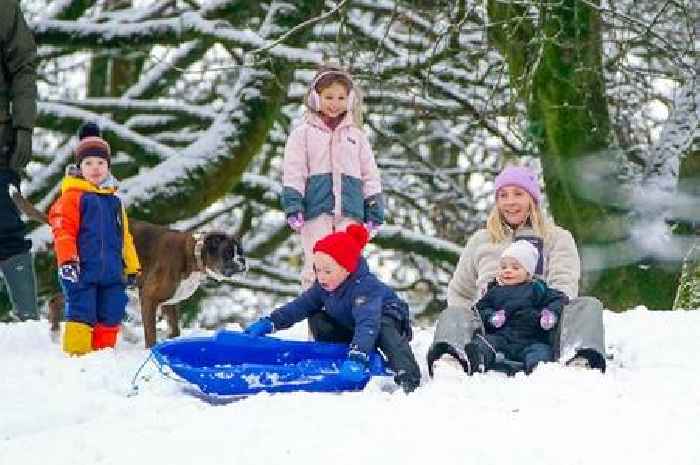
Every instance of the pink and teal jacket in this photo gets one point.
(331, 171)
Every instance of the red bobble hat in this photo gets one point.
(344, 246)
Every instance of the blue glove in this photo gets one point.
(70, 271)
(261, 327)
(354, 368)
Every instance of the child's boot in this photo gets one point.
(77, 338)
(104, 336)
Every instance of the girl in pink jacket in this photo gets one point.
(330, 177)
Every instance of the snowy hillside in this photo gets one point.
(645, 410)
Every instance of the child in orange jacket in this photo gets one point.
(94, 249)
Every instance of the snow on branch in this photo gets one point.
(404, 240)
(128, 106)
(188, 26)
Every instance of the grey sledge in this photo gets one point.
(579, 333)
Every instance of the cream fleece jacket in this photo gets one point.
(479, 261)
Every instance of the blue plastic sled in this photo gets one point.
(235, 363)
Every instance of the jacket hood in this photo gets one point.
(108, 186)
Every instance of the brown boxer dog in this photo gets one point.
(173, 265)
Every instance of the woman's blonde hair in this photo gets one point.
(328, 75)
(499, 229)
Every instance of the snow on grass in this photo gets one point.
(644, 410)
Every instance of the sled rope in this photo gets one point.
(134, 385)
(134, 381)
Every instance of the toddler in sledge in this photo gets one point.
(518, 314)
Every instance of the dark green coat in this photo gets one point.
(17, 74)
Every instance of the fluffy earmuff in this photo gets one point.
(314, 100)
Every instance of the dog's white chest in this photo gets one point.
(186, 288)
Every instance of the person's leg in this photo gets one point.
(21, 285)
(325, 329)
(393, 342)
(533, 354)
(80, 304)
(311, 232)
(453, 331)
(111, 305)
(580, 336)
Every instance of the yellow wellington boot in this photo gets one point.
(77, 338)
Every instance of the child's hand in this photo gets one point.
(296, 221)
(498, 318)
(131, 281)
(70, 271)
(547, 319)
(372, 228)
(354, 368)
(261, 327)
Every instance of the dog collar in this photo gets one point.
(198, 247)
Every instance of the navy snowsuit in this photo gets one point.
(521, 338)
(90, 226)
(362, 311)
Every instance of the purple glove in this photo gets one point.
(498, 319)
(371, 227)
(548, 319)
(296, 221)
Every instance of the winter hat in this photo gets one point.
(91, 144)
(525, 253)
(521, 177)
(344, 246)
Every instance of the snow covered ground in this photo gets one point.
(56, 410)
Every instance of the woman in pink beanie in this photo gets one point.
(517, 215)
(348, 304)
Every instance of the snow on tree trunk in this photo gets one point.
(688, 296)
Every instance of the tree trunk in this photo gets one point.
(556, 67)
(688, 295)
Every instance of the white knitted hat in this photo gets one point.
(525, 253)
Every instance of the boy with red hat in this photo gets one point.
(94, 248)
(347, 303)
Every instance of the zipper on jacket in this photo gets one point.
(334, 212)
(102, 245)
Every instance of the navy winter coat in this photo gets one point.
(357, 304)
(523, 304)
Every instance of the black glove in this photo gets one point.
(23, 149)
(70, 271)
(131, 281)
(7, 135)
